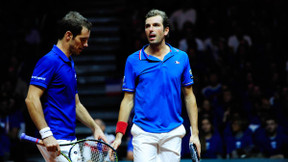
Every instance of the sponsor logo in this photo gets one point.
(39, 78)
(191, 76)
(123, 81)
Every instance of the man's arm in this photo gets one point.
(84, 117)
(124, 113)
(35, 110)
(192, 110)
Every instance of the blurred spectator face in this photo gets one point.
(236, 126)
(227, 96)
(213, 79)
(206, 105)
(206, 126)
(265, 104)
(101, 124)
(271, 126)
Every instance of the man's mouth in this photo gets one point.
(152, 36)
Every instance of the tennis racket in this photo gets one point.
(193, 151)
(91, 150)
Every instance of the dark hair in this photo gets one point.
(155, 12)
(73, 22)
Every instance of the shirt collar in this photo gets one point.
(145, 56)
(61, 54)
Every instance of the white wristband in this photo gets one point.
(45, 132)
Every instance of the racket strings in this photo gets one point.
(92, 151)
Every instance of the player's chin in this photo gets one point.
(77, 52)
(154, 42)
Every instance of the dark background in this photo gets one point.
(254, 73)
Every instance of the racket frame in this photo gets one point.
(38, 141)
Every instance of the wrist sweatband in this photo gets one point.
(121, 127)
(45, 132)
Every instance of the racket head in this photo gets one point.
(93, 150)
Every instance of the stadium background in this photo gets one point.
(254, 73)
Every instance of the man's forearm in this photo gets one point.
(36, 113)
(84, 117)
(192, 110)
(125, 110)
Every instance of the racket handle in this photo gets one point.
(193, 151)
(31, 139)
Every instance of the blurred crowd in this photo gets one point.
(237, 55)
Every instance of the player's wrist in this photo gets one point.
(121, 127)
(45, 132)
(194, 131)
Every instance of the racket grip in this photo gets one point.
(31, 139)
(193, 151)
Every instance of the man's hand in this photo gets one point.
(118, 140)
(195, 139)
(99, 135)
(51, 144)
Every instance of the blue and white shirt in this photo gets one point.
(157, 87)
(55, 72)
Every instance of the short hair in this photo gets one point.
(73, 22)
(156, 12)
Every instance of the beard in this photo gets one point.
(75, 50)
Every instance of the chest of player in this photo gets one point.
(152, 69)
(65, 75)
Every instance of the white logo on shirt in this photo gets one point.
(39, 78)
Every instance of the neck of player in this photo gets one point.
(158, 50)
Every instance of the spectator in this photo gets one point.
(183, 14)
(213, 88)
(190, 38)
(211, 141)
(270, 140)
(237, 38)
(216, 49)
(238, 139)
(11, 119)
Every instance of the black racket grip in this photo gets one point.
(193, 152)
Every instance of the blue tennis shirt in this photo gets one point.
(157, 87)
(55, 72)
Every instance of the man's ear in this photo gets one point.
(166, 31)
(68, 35)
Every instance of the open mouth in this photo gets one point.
(152, 36)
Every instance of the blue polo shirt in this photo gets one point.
(157, 87)
(55, 72)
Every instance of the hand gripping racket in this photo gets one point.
(91, 150)
(193, 151)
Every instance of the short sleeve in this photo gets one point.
(43, 72)
(187, 76)
(129, 77)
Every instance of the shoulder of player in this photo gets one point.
(179, 52)
(134, 56)
(50, 58)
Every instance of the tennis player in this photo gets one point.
(154, 77)
(52, 100)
